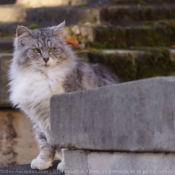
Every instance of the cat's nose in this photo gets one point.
(46, 59)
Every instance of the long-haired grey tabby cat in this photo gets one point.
(43, 65)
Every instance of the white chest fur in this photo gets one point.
(28, 89)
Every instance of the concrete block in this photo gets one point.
(4, 66)
(140, 2)
(11, 13)
(121, 163)
(17, 142)
(133, 116)
(76, 162)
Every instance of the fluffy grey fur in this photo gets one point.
(44, 65)
(85, 76)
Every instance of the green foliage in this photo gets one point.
(6, 35)
(141, 2)
(83, 4)
(123, 38)
(153, 62)
(70, 3)
(33, 26)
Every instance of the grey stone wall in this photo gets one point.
(127, 128)
(17, 143)
(115, 163)
(133, 116)
(4, 66)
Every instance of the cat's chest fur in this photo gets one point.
(33, 90)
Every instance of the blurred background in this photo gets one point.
(134, 38)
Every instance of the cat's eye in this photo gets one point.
(36, 50)
(51, 49)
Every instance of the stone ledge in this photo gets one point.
(141, 2)
(135, 116)
(120, 15)
(93, 163)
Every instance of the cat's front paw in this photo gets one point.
(61, 166)
(40, 164)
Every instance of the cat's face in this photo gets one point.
(40, 48)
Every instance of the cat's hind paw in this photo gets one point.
(61, 166)
(40, 164)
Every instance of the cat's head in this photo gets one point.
(41, 48)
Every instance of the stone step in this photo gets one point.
(112, 37)
(131, 14)
(128, 64)
(41, 3)
(11, 13)
(120, 14)
(134, 64)
(46, 16)
(135, 116)
(117, 37)
(4, 67)
(6, 45)
(2, 2)
(142, 2)
(118, 163)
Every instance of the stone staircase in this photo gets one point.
(133, 38)
(134, 26)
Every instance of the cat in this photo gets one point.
(44, 65)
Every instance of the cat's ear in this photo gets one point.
(58, 29)
(22, 31)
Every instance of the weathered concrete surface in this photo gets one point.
(76, 162)
(4, 67)
(119, 163)
(120, 15)
(17, 143)
(133, 116)
(141, 2)
(44, 17)
(11, 13)
(125, 14)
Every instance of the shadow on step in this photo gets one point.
(26, 170)
(2, 2)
